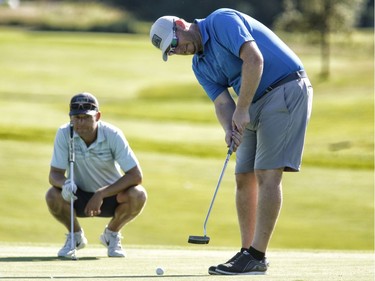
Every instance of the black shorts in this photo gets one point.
(107, 209)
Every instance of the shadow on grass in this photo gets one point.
(36, 259)
(141, 277)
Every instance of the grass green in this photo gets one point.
(178, 264)
(171, 126)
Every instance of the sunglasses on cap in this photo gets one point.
(174, 43)
(83, 106)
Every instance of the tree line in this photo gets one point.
(267, 12)
(318, 18)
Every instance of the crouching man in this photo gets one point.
(100, 188)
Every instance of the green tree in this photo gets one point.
(321, 17)
(265, 11)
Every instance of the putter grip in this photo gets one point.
(230, 150)
(71, 130)
(71, 144)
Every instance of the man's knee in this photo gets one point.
(136, 195)
(246, 181)
(53, 197)
(269, 177)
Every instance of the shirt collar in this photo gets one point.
(202, 28)
(100, 137)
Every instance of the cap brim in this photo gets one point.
(167, 43)
(165, 56)
(85, 112)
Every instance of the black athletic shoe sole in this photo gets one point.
(212, 271)
(222, 272)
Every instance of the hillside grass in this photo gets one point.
(171, 125)
(68, 16)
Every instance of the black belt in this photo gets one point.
(291, 77)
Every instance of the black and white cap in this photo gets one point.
(83, 103)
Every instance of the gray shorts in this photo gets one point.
(275, 136)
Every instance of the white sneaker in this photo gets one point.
(112, 240)
(80, 241)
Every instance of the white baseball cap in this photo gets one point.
(161, 34)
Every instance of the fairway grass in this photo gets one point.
(39, 262)
(171, 125)
(322, 209)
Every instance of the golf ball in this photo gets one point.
(159, 271)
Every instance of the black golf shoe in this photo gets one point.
(245, 264)
(212, 269)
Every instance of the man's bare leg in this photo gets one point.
(131, 203)
(60, 209)
(246, 203)
(269, 206)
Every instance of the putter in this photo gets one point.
(194, 239)
(71, 176)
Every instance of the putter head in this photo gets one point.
(198, 239)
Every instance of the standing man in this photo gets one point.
(267, 123)
(101, 189)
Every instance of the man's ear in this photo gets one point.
(181, 23)
(97, 116)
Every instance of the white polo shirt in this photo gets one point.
(101, 163)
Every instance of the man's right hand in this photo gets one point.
(68, 190)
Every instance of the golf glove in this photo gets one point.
(68, 190)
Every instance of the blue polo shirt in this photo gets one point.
(219, 66)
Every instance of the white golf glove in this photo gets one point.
(68, 190)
